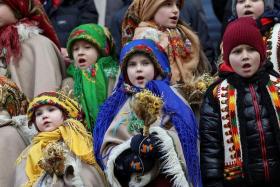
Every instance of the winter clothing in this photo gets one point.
(181, 44)
(65, 15)
(239, 127)
(269, 24)
(237, 34)
(115, 126)
(30, 59)
(93, 85)
(14, 132)
(71, 137)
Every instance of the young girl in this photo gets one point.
(239, 126)
(94, 69)
(61, 154)
(14, 132)
(117, 138)
(267, 20)
(159, 20)
(28, 47)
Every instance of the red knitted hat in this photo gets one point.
(243, 31)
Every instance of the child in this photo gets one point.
(14, 132)
(59, 121)
(159, 20)
(94, 69)
(117, 139)
(239, 126)
(30, 59)
(267, 20)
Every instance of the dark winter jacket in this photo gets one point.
(259, 134)
(70, 14)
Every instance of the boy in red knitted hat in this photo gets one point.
(239, 125)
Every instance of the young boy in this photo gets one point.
(28, 48)
(94, 69)
(267, 20)
(173, 142)
(239, 126)
(59, 121)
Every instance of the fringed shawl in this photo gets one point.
(181, 115)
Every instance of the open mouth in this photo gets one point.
(81, 61)
(140, 78)
(248, 12)
(245, 66)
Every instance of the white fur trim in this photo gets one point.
(77, 165)
(170, 165)
(25, 31)
(275, 45)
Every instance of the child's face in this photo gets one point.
(6, 15)
(244, 60)
(140, 70)
(84, 53)
(168, 14)
(48, 118)
(253, 8)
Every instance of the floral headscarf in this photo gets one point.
(91, 85)
(28, 12)
(11, 98)
(70, 108)
(138, 11)
(181, 115)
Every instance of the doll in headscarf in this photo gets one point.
(29, 52)
(14, 132)
(61, 154)
(171, 147)
(268, 20)
(94, 69)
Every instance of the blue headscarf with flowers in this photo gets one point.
(180, 114)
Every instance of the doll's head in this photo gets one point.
(143, 61)
(250, 8)
(89, 42)
(12, 100)
(243, 47)
(49, 109)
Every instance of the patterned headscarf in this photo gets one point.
(149, 48)
(11, 98)
(91, 85)
(95, 34)
(138, 11)
(29, 12)
(181, 115)
(70, 108)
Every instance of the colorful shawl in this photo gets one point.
(72, 133)
(233, 156)
(11, 98)
(29, 12)
(180, 114)
(91, 85)
(182, 47)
